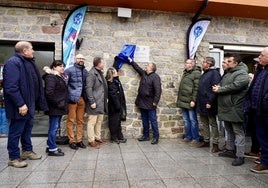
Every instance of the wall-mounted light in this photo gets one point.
(54, 23)
(124, 12)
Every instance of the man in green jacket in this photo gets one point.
(231, 92)
(186, 101)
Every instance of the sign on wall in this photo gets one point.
(142, 54)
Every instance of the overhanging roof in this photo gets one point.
(238, 8)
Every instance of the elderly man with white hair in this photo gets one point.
(256, 103)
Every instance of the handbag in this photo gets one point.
(62, 140)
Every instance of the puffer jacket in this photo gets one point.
(188, 87)
(97, 92)
(150, 90)
(56, 92)
(76, 82)
(205, 94)
(231, 93)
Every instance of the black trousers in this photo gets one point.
(115, 126)
(251, 129)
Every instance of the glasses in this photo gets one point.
(81, 58)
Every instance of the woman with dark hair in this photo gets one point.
(116, 106)
(56, 92)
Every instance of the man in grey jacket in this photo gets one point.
(97, 95)
(231, 92)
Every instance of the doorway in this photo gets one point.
(247, 54)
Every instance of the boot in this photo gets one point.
(215, 148)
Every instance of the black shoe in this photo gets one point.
(81, 145)
(55, 153)
(238, 161)
(122, 140)
(154, 141)
(143, 138)
(73, 146)
(115, 140)
(47, 150)
(227, 153)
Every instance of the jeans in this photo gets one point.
(146, 116)
(262, 135)
(76, 112)
(54, 124)
(190, 124)
(19, 129)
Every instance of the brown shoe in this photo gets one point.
(197, 144)
(100, 141)
(30, 155)
(260, 169)
(17, 163)
(94, 145)
(252, 155)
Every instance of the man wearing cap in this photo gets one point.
(76, 90)
(206, 103)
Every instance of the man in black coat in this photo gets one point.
(23, 93)
(207, 102)
(149, 94)
(256, 103)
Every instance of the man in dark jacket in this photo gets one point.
(76, 90)
(23, 93)
(231, 93)
(256, 103)
(206, 103)
(187, 102)
(149, 94)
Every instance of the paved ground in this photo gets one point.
(171, 163)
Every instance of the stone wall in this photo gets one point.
(105, 34)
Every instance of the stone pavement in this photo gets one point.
(171, 163)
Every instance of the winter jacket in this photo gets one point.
(97, 92)
(188, 87)
(19, 87)
(150, 90)
(262, 99)
(76, 82)
(116, 97)
(205, 94)
(231, 93)
(56, 92)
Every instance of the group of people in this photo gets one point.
(72, 92)
(76, 91)
(231, 99)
